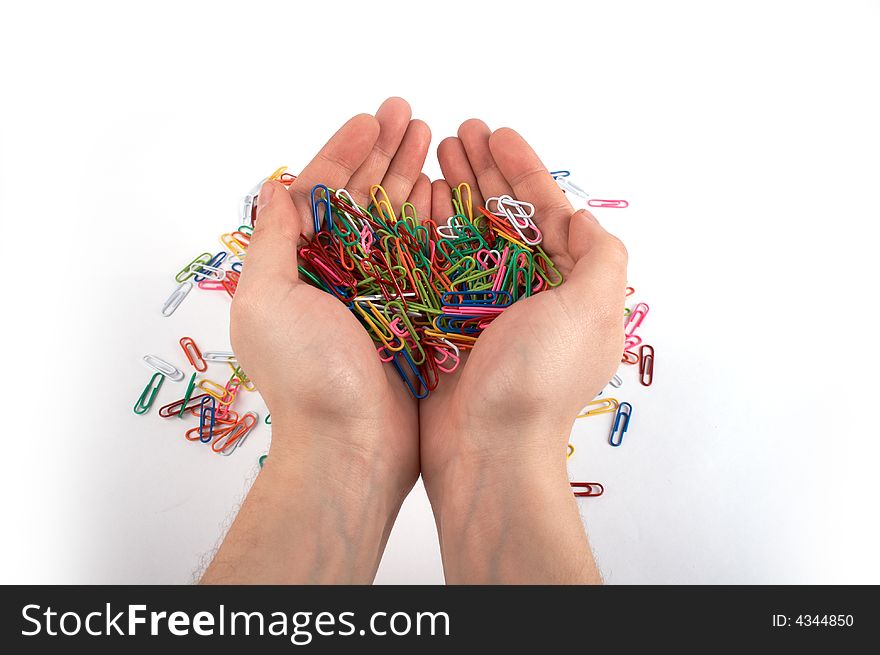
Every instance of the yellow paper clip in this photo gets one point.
(602, 406)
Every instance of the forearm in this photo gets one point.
(511, 520)
(310, 518)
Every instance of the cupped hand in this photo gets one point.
(516, 394)
(331, 399)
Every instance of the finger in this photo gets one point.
(421, 197)
(474, 136)
(441, 201)
(393, 117)
(271, 254)
(406, 166)
(457, 169)
(334, 164)
(532, 182)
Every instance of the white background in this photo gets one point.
(744, 134)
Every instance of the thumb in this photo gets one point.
(271, 255)
(599, 275)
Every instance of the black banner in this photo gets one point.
(432, 619)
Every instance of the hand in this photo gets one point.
(494, 433)
(344, 429)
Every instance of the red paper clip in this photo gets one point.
(646, 365)
(611, 204)
(629, 357)
(193, 354)
(592, 489)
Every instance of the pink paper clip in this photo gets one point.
(612, 204)
(636, 316)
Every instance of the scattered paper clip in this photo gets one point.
(591, 489)
(148, 395)
(232, 440)
(616, 381)
(570, 451)
(176, 298)
(163, 367)
(611, 204)
(219, 356)
(621, 424)
(603, 406)
(636, 316)
(646, 365)
(193, 354)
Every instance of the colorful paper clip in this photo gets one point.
(179, 407)
(160, 365)
(176, 298)
(603, 406)
(262, 460)
(611, 204)
(570, 451)
(629, 358)
(148, 395)
(207, 418)
(193, 354)
(621, 424)
(591, 489)
(232, 440)
(190, 269)
(636, 316)
(646, 365)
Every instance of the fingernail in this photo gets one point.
(265, 196)
(588, 215)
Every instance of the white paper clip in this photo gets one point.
(176, 298)
(567, 185)
(208, 272)
(219, 356)
(616, 381)
(159, 364)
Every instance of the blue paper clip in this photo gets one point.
(316, 207)
(415, 370)
(557, 174)
(234, 264)
(205, 411)
(617, 429)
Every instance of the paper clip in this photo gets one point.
(318, 203)
(228, 443)
(163, 367)
(611, 204)
(207, 411)
(219, 356)
(193, 354)
(603, 406)
(617, 430)
(262, 459)
(591, 489)
(629, 358)
(268, 419)
(646, 365)
(188, 271)
(148, 395)
(567, 185)
(570, 451)
(616, 381)
(178, 407)
(636, 316)
(208, 272)
(176, 298)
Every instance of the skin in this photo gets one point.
(348, 440)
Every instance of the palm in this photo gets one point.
(501, 370)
